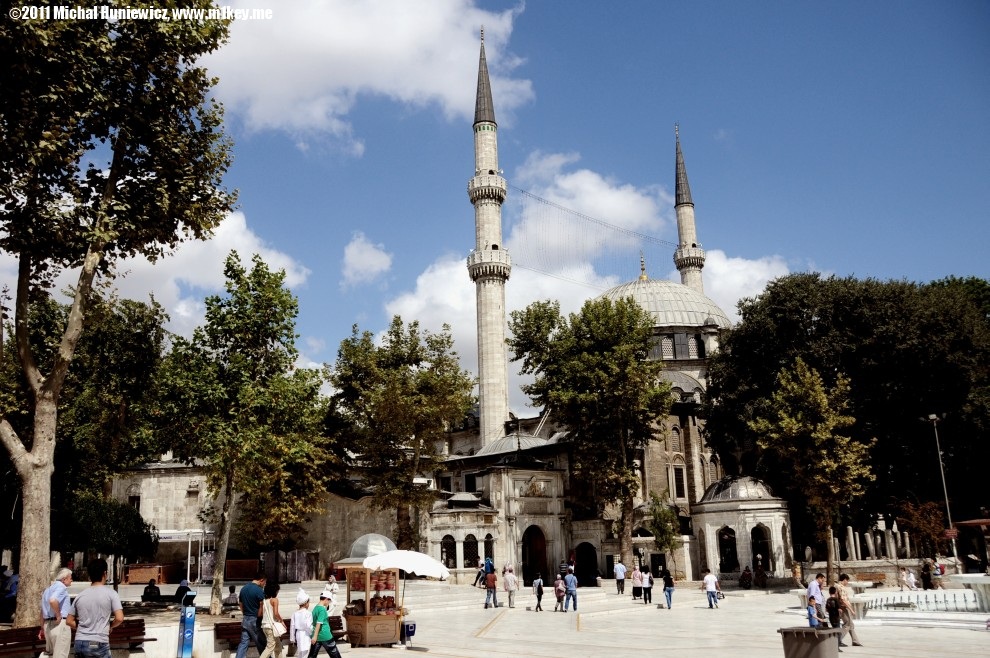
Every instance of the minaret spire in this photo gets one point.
(689, 257)
(489, 264)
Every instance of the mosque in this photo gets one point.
(504, 491)
(506, 483)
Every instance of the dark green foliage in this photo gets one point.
(109, 526)
(907, 349)
(393, 405)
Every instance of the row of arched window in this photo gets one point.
(448, 550)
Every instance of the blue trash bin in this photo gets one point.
(409, 628)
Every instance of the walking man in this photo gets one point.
(491, 590)
(847, 611)
(570, 583)
(711, 587)
(250, 599)
(55, 607)
(511, 584)
(620, 577)
(95, 611)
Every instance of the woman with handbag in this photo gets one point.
(272, 624)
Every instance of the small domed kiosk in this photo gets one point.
(739, 523)
(371, 611)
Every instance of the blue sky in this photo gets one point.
(843, 137)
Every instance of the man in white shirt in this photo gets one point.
(620, 577)
(711, 588)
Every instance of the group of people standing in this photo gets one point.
(835, 610)
(643, 582)
(262, 622)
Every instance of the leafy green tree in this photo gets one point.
(109, 526)
(664, 525)
(394, 402)
(111, 148)
(803, 433)
(233, 400)
(908, 350)
(593, 370)
(102, 426)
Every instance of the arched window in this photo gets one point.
(728, 560)
(675, 439)
(470, 551)
(489, 546)
(448, 552)
(713, 469)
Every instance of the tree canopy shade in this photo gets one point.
(592, 369)
(110, 147)
(232, 400)
(907, 349)
(393, 406)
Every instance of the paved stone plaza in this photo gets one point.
(451, 621)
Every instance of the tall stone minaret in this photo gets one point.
(489, 264)
(689, 257)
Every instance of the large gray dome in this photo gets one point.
(671, 304)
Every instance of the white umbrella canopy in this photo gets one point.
(414, 562)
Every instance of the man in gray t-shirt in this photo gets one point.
(94, 612)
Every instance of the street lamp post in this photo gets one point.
(948, 512)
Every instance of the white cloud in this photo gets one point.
(363, 261)
(181, 280)
(729, 279)
(445, 294)
(304, 70)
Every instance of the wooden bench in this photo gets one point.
(25, 641)
(21, 642)
(129, 635)
(876, 578)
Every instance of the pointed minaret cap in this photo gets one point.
(642, 268)
(682, 191)
(484, 109)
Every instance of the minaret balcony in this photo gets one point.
(487, 186)
(489, 263)
(689, 257)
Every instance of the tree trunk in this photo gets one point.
(830, 565)
(35, 471)
(625, 532)
(403, 529)
(223, 540)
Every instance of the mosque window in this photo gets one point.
(713, 470)
(700, 346)
(681, 348)
(470, 551)
(448, 552)
(489, 547)
(470, 482)
(680, 483)
(656, 349)
(667, 346)
(675, 439)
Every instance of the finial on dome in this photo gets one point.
(642, 268)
